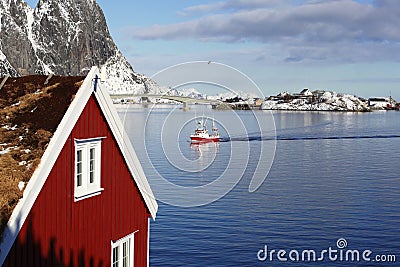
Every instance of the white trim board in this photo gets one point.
(127, 150)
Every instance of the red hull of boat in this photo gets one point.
(204, 140)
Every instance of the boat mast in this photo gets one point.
(213, 124)
(203, 121)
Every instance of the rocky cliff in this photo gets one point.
(65, 38)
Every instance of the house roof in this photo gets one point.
(305, 90)
(35, 124)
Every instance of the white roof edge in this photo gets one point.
(54, 148)
(127, 149)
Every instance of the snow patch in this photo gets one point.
(36, 47)
(2, 56)
(9, 128)
(5, 151)
(21, 186)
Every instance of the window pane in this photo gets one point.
(125, 254)
(79, 155)
(115, 256)
(79, 167)
(92, 153)
(91, 178)
(79, 180)
(92, 165)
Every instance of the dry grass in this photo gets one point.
(29, 115)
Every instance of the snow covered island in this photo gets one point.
(316, 101)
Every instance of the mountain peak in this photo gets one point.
(61, 37)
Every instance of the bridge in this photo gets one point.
(182, 99)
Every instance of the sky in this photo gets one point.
(347, 46)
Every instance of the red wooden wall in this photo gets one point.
(61, 232)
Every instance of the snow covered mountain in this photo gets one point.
(5, 67)
(194, 93)
(65, 38)
(229, 95)
(191, 92)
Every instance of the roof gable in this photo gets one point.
(126, 147)
(55, 146)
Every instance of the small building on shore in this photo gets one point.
(306, 92)
(379, 102)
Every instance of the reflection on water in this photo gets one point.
(203, 155)
(205, 149)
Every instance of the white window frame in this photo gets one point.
(87, 188)
(130, 239)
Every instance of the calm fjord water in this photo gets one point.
(334, 175)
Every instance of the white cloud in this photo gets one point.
(326, 21)
(230, 5)
(340, 30)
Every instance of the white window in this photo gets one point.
(87, 168)
(122, 252)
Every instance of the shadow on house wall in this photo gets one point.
(29, 251)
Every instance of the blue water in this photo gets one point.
(333, 175)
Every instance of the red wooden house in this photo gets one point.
(87, 202)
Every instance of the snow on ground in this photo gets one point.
(329, 101)
(21, 185)
(2, 56)
(2, 152)
(9, 128)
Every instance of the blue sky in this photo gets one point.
(342, 45)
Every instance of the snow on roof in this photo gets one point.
(30, 112)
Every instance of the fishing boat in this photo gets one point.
(201, 134)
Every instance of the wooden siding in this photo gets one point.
(61, 232)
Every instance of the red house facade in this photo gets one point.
(88, 202)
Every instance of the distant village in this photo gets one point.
(305, 100)
(318, 100)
